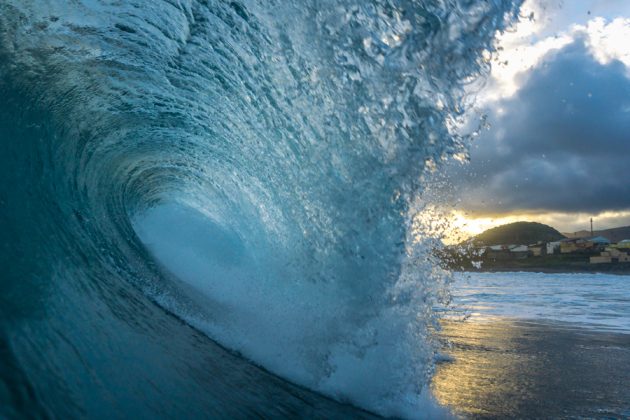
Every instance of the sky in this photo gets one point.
(558, 106)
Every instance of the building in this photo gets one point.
(568, 246)
(507, 252)
(599, 241)
(612, 254)
(553, 248)
(600, 259)
(518, 248)
(538, 250)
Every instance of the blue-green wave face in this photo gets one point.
(197, 196)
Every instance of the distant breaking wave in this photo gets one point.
(198, 198)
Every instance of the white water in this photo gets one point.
(306, 332)
(596, 301)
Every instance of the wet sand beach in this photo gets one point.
(503, 368)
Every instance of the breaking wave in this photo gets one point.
(244, 171)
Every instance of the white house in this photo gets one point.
(552, 247)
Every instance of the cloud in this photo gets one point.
(561, 143)
(548, 25)
(522, 47)
(608, 41)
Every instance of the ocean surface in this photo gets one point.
(594, 301)
(207, 207)
(533, 345)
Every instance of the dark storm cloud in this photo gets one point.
(562, 143)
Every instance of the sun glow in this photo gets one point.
(464, 225)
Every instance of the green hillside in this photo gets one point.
(520, 233)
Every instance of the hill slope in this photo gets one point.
(614, 234)
(520, 233)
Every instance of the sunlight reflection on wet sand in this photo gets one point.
(504, 368)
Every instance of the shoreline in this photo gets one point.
(546, 270)
(511, 368)
(543, 265)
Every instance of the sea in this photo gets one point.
(593, 301)
(536, 345)
(208, 209)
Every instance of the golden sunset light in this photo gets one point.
(464, 225)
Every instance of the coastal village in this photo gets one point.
(531, 246)
(599, 250)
